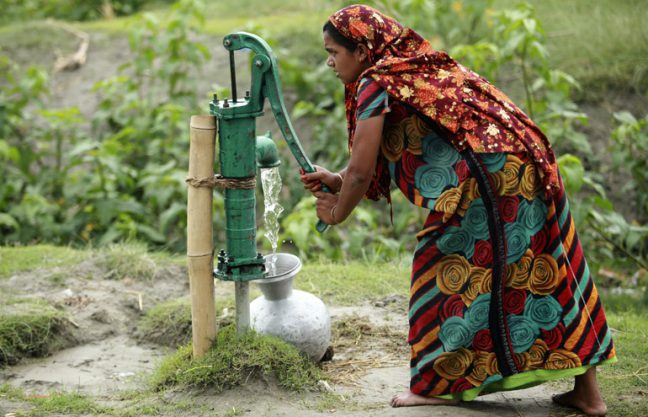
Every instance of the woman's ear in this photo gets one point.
(362, 53)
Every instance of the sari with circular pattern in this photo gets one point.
(501, 296)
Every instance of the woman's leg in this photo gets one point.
(585, 396)
(409, 399)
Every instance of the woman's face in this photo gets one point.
(347, 65)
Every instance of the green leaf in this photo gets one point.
(8, 221)
(151, 233)
(572, 171)
(625, 117)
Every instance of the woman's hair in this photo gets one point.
(338, 37)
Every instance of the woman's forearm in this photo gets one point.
(360, 170)
(354, 187)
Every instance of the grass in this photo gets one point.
(604, 43)
(353, 283)
(625, 384)
(133, 260)
(169, 323)
(29, 258)
(31, 328)
(54, 402)
(233, 359)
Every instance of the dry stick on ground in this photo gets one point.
(76, 60)
(139, 298)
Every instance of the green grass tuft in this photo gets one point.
(28, 258)
(31, 328)
(603, 44)
(67, 402)
(624, 384)
(169, 323)
(355, 282)
(54, 402)
(132, 260)
(234, 359)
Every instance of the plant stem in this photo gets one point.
(525, 79)
(617, 246)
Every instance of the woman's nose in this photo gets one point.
(329, 62)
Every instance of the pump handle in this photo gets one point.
(267, 84)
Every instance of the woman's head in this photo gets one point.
(346, 58)
(373, 36)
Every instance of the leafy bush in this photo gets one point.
(121, 176)
(123, 180)
(68, 9)
(630, 153)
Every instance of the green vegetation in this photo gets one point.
(624, 384)
(120, 175)
(233, 359)
(55, 402)
(133, 260)
(31, 328)
(603, 43)
(167, 324)
(355, 282)
(29, 258)
(17, 10)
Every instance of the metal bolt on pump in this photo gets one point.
(240, 262)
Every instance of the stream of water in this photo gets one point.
(271, 183)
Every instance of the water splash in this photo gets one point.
(271, 183)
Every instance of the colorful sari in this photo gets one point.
(501, 296)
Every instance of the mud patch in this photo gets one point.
(112, 364)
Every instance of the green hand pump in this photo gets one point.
(240, 153)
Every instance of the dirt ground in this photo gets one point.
(109, 362)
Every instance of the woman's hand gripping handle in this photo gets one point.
(323, 181)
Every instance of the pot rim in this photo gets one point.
(287, 274)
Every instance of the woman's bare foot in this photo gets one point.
(586, 405)
(409, 399)
(585, 396)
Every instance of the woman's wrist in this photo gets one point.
(333, 215)
(337, 174)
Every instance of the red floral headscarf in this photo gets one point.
(476, 115)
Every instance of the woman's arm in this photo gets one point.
(334, 209)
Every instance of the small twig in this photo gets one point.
(617, 246)
(76, 60)
(140, 301)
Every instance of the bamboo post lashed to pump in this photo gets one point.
(200, 234)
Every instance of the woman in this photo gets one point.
(501, 297)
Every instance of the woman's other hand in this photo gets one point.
(313, 181)
(325, 206)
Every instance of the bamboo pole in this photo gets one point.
(200, 234)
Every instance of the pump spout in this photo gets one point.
(266, 152)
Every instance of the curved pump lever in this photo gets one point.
(267, 84)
